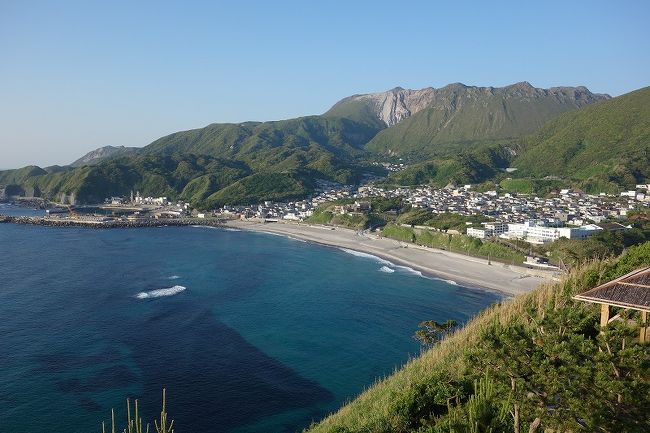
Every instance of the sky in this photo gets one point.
(78, 75)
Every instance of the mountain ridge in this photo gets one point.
(103, 154)
(397, 104)
(470, 132)
(459, 117)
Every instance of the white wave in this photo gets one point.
(452, 282)
(230, 229)
(170, 291)
(386, 269)
(276, 234)
(204, 227)
(367, 256)
(173, 277)
(411, 271)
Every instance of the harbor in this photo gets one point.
(92, 221)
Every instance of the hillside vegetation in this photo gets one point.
(191, 177)
(533, 363)
(210, 159)
(603, 146)
(465, 117)
(256, 142)
(467, 167)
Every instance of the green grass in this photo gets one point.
(444, 221)
(433, 392)
(456, 243)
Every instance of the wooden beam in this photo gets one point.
(643, 333)
(604, 315)
(617, 317)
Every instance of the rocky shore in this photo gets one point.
(117, 223)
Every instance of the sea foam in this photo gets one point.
(386, 269)
(411, 271)
(173, 277)
(170, 291)
(367, 256)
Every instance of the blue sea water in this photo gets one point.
(249, 332)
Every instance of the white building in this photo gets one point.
(498, 228)
(542, 235)
(479, 233)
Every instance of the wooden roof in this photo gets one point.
(629, 291)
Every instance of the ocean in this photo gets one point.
(248, 332)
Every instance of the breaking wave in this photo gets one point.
(386, 269)
(367, 256)
(173, 277)
(170, 291)
(411, 271)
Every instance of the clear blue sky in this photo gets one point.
(77, 75)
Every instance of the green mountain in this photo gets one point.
(603, 146)
(20, 175)
(194, 165)
(190, 177)
(434, 122)
(257, 142)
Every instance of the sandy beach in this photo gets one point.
(464, 270)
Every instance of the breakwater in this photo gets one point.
(110, 223)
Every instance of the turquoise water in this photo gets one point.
(249, 332)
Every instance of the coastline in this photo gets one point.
(463, 270)
(460, 269)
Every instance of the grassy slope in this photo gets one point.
(263, 186)
(394, 404)
(602, 144)
(355, 110)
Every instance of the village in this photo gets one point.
(569, 214)
(537, 220)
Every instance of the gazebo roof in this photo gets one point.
(629, 291)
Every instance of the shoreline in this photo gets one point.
(466, 271)
(463, 270)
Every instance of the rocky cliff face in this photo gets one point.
(395, 105)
